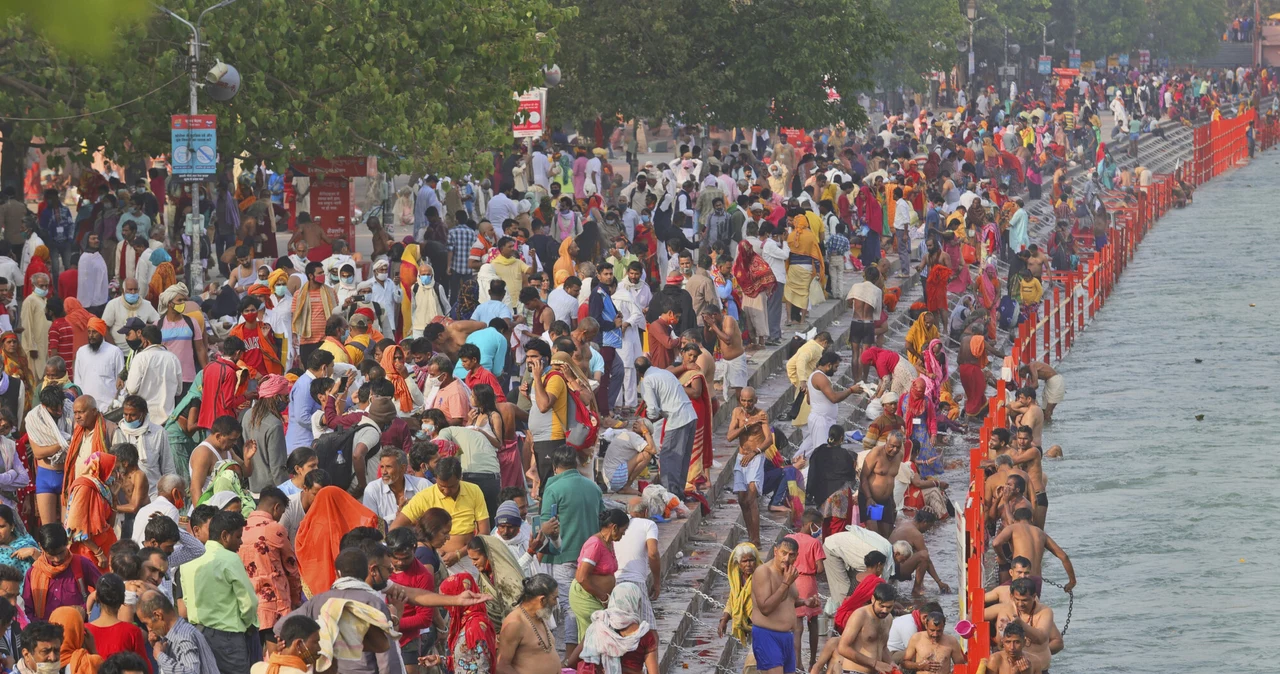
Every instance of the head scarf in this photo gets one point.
(273, 385)
(164, 276)
(277, 276)
(221, 499)
(739, 604)
(918, 337)
(17, 365)
(752, 272)
(171, 292)
(884, 359)
(73, 653)
(446, 448)
(802, 240)
(41, 252)
(562, 358)
(916, 403)
(160, 256)
(603, 644)
(402, 394)
(563, 268)
(507, 579)
(978, 347)
(470, 623)
(79, 318)
(332, 515)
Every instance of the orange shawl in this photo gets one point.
(89, 508)
(73, 652)
(99, 446)
(277, 662)
(78, 317)
(42, 573)
(163, 277)
(388, 363)
(332, 515)
(266, 344)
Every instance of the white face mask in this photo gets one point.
(381, 276)
(48, 668)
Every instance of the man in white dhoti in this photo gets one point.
(824, 404)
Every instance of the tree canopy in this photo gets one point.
(420, 83)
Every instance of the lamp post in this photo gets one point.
(971, 14)
(193, 72)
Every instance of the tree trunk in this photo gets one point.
(13, 159)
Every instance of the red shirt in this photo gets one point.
(483, 376)
(415, 618)
(220, 397)
(69, 283)
(61, 342)
(119, 638)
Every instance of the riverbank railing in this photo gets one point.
(1071, 303)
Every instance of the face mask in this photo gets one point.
(133, 424)
(48, 668)
(380, 276)
(427, 430)
(280, 291)
(180, 307)
(42, 292)
(421, 435)
(132, 298)
(134, 344)
(425, 279)
(250, 316)
(346, 335)
(348, 280)
(644, 218)
(333, 278)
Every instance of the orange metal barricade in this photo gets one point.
(1075, 298)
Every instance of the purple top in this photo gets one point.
(62, 589)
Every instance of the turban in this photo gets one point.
(273, 385)
(259, 289)
(675, 279)
(175, 290)
(99, 326)
(276, 277)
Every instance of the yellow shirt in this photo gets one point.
(560, 408)
(339, 352)
(467, 509)
(815, 224)
(512, 272)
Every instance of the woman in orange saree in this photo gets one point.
(332, 515)
(90, 511)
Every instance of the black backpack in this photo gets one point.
(335, 452)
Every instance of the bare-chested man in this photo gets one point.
(1027, 413)
(773, 610)
(526, 644)
(1033, 618)
(311, 232)
(1020, 568)
(1027, 455)
(864, 643)
(932, 650)
(865, 299)
(1031, 541)
(999, 443)
(1036, 261)
(447, 339)
(748, 413)
(912, 556)
(1055, 387)
(732, 367)
(879, 472)
(1011, 658)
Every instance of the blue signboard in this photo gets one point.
(1124, 60)
(1073, 58)
(195, 145)
(1046, 65)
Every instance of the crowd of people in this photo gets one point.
(452, 453)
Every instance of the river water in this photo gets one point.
(1171, 522)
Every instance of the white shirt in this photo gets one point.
(501, 207)
(623, 444)
(900, 632)
(902, 215)
(776, 255)
(563, 305)
(541, 170)
(154, 457)
(96, 372)
(663, 394)
(157, 505)
(633, 551)
(117, 313)
(156, 375)
(92, 280)
(379, 499)
(386, 294)
(9, 271)
(593, 173)
(29, 249)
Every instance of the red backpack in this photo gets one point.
(583, 435)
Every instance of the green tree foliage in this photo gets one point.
(732, 62)
(78, 26)
(420, 83)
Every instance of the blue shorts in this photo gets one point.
(619, 478)
(48, 481)
(773, 649)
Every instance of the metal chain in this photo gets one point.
(1071, 603)
(708, 598)
(714, 628)
(706, 661)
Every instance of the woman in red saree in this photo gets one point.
(473, 644)
(755, 281)
(39, 264)
(700, 393)
(90, 514)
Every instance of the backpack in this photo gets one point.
(584, 432)
(335, 453)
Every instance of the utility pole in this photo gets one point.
(195, 224)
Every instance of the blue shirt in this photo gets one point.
(493, 354)
(487, 311)
(301, 407)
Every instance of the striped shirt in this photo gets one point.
(460, 239)
(187, 651)
(61, 342)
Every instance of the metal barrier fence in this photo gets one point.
(1065, 311)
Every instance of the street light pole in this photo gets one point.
(193, 72)
(971, 13)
